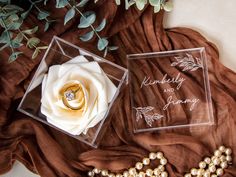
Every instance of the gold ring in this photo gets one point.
(70, 93)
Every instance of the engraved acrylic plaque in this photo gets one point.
(169, 90)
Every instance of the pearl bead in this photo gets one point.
(228, 158)
(126, 174)
(91, 173)
(217, 153)
(118, 175)
(141, 174)
(212, 168)
(207, 174)
(188, 175)
(207, 160)
(213, 175)
(219, 171)
(132, 171)
(222, 158)
(96, 171)
(159, 155)
(222, 148)
(163, 161)
(202, 165)
(139, 165)
(152, 156)
(200, 172)
(104, 172)
(194, 171)
(216, 161)
(161, 168)
(157, 171)
(164, 174)
(149, 172)
(228, 151)
(111, 175)
(224, 165)
(146, 161)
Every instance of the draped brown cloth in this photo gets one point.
(51, 153)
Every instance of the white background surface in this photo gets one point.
(215, 19)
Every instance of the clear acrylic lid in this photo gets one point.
(169, 90)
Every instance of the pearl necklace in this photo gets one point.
(214, 166)
(222, 158)
(136, 171)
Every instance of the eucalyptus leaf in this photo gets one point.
(155, 2)
(35, 54)
(16, 25)
(117, 2)
(9, 7)
(43, 15)
(87, 36)
(113, 47)
(140, 4)
(26, 13)
(19, 38)
(46, 26)
(45, 2)
(82, 3)
(157, 8)
(102, 44)
(31, 31)
(69, 15)
(87, 19)
(42, 47)
(4, 46)
(33, 42)
(168, 6)
(4, 38)
(101, 26)
(14, 56)
(61, 3)
(15, 44)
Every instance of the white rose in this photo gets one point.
(75, 95)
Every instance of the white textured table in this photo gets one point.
(215, 19)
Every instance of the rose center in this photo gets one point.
(73, 96)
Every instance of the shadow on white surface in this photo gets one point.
(19, 170)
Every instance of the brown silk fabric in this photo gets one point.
(50, 153)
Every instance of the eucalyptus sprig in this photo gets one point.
(87, 20)
(43, 15)
(140, 4)
(11, 20)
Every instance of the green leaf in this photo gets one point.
(43, 47)
(45, 2)
(101, 26)
(157, 8)
(113, 47)
(4, 37)
(155, 2)
(87, 36)
(47, 24)
(87, 20)
(19, 38)
(102, 44)
(9, 7)
(140, 4)
(82, 3)
(69, 15)
(168, 6)
(15, 44)
(118, 2)
(26, 13)
(35, 54)
(14, 56)
(4, 46)
(61, 3)
(33, 42)
(31, 31)
(43, 15)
